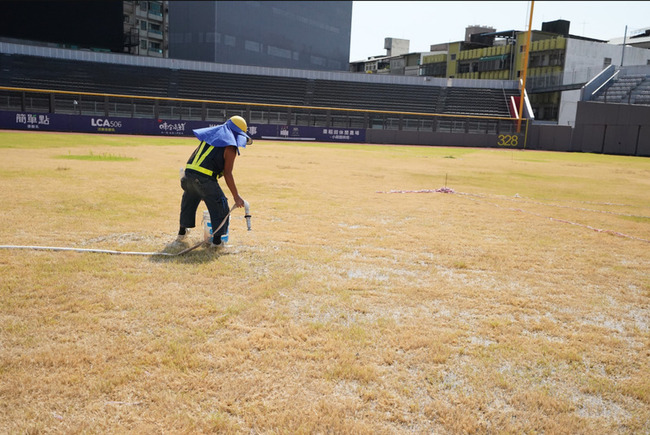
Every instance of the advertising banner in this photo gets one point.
(305, 133)
(161, 127)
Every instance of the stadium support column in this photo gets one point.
(525, 69)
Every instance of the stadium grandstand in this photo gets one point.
(633, 88)
(384, 108)
(251, 85)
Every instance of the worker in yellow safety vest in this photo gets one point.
(212, 159)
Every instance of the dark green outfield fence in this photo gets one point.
(622, 129)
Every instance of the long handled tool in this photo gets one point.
(191, 248)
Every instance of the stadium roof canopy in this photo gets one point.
(503, 33)
(637, 38)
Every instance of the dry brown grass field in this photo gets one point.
(519, 303)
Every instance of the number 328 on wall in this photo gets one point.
(508, 140)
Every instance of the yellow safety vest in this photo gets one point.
(199, 157)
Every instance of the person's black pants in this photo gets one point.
(197, 188)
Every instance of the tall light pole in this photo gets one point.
(624, 42)
(523, 83)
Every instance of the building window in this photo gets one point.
(279, 52)
(229, 40)
(143, 44)
(154, 8)
(252, 46)
(556, 59)
(127, 19)
(607, 62)
(453, 56)
(155, 46)
(143, 25)
(317, 60)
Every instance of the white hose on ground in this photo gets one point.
(108, 251)
(102, 251)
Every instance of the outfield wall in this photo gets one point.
(39, 121)
(549, 137)
(541, 137)
(161, 127)
(396, 137)
(622, 129)
(619, 129)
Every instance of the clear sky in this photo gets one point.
(431, 22)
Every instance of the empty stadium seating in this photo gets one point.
(634, 89)
(84, 76)
(375, 96)
(482, 102)
(641, 94)
(241, 87)
(64, 75)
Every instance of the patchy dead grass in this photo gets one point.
(518, 304)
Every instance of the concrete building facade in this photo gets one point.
(146, 28)
(559, 63)
(283, 34)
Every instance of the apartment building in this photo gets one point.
(146, 28)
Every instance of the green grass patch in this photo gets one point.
(92, 157)
(39, 140)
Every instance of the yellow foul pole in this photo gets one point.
(523, 78)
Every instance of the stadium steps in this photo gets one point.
(309, 93)
(172, 87)
(441, 101)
